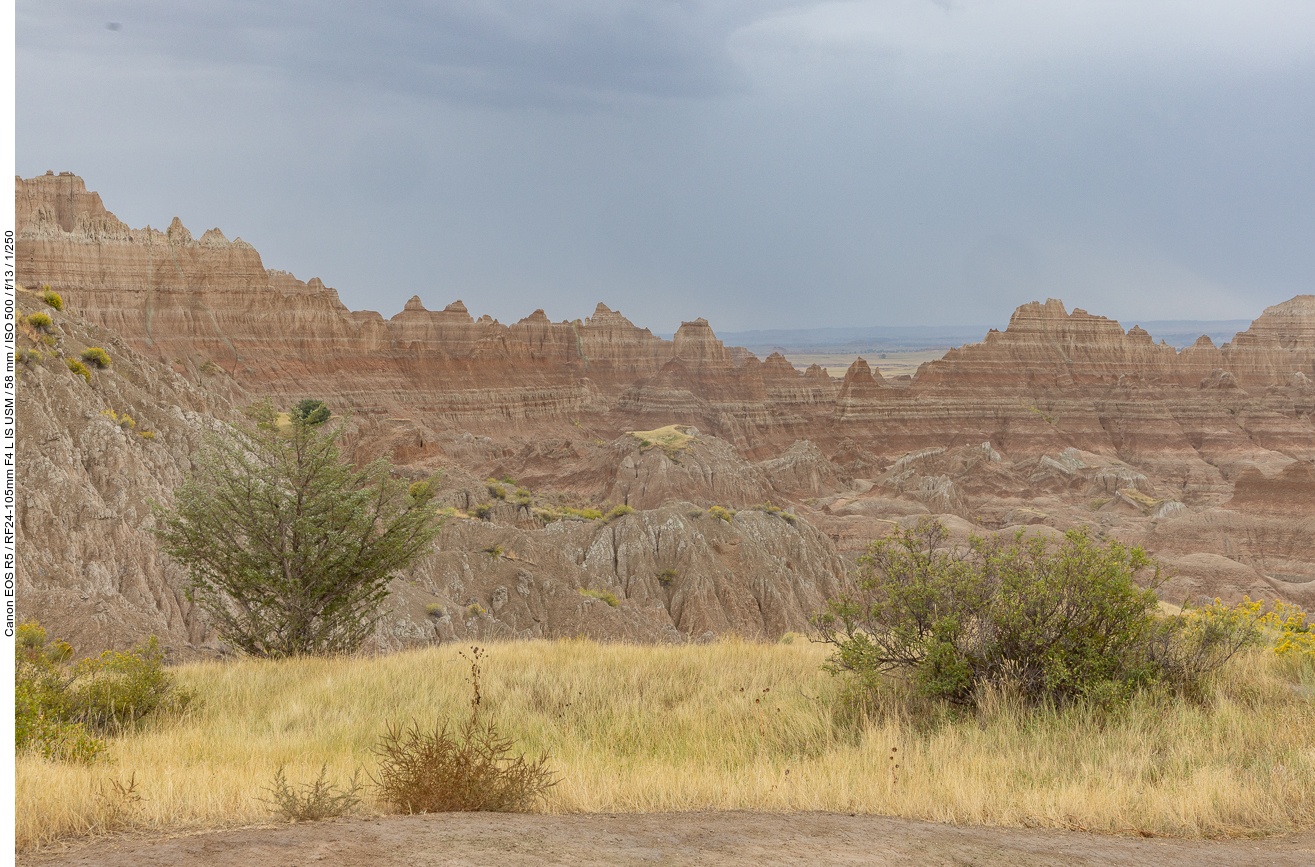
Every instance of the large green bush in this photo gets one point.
(61, 709)
(1050, 622)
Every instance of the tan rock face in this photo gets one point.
(676, 573)
(93, 456)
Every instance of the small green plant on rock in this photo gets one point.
(312, 801)
(667, 577)
(124, 421)
(494, 552)
(619, 512)
(602, 596)
(483, 511)
(79, 368)
(96, 357)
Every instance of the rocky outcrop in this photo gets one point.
(676, 574)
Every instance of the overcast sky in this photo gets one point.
(761, 164)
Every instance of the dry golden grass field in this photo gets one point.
(727, 726)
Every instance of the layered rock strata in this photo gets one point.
(1062, 419)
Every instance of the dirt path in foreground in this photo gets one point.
(758, 839)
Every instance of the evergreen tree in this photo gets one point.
(289, 547)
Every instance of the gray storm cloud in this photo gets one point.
(760, 164)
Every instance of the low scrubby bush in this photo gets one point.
(52, 298)
(483, 511)
(496, 491)
(79, 368)
(721, 513)
(96, 357)
(667, 577)
(312, 801)
(123, 420)
(39, 321)
(775, 511)
(618, 512)
(468, 767)
(601, 595)
(1052, 624)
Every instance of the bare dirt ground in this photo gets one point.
(721, 838)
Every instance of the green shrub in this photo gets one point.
(28, 357)
(667, 577)
(494, 551)
(79, 368)
(776, 512)
(619, 512)
(313, 801)
(39, 321)
(523, 497)
(60, 708)
(52, 298)
(463, 768)
(146, 434)
(496, 491)
(310, 411)
(1052, 626)
(434, 610)
(423, 491)
(721, 514)
(124, 421)
(550, 515)
(209, 368)
(603, 595)
(474, 609)
(96, 357)
(115, 690)
(482, 511)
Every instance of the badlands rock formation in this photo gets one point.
(96, 452)
(1062, 420)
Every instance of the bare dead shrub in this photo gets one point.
(466, 768)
